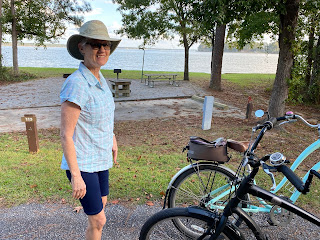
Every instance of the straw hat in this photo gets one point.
(92, 29)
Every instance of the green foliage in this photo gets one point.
(154, 20)
(253, 26)
(43, 20)
(305, 83)
(7, 75)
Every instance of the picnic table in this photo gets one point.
(120, 86)
(152, 78)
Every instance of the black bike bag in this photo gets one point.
(201, 149)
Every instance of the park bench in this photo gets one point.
(152, 78)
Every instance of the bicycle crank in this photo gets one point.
(280, 216)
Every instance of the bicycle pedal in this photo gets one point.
(270, 221)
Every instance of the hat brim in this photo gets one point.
(72, 45)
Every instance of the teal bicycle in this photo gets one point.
(209, 184)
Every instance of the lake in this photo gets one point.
(154, 60)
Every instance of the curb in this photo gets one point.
(215, 104)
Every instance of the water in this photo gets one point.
(154, 60)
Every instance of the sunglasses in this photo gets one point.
(97, 46)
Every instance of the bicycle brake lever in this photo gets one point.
(244, 161)
(267, 171)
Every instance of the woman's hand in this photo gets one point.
(78, 187)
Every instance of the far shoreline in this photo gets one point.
(136, 48)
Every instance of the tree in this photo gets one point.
(215, 16)
(280, 18)
(288, 23)
(304, 86)
(152, 20)
(39, 20)
(217, 53)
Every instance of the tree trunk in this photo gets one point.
(288, 23)
(212, 52)
(310, 54)
(186, 58)
(14, 40)
(215, 81)
(315, 77)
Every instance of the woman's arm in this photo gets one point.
(69, 117)
(115, 150)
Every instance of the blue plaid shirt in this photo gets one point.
(93, 134)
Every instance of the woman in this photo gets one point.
(87, 119)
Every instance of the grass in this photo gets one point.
(37, 177)
(240, 79)
(247, 79)
(148, 160)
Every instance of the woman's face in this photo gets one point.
(96, 53)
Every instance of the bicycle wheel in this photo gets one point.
(162, 226)
(202, 183)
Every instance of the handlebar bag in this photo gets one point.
(201, 149)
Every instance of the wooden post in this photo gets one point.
(32, 132)
(207, 112)
(249, 108)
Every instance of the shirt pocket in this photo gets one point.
(101, 109)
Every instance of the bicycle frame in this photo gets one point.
(247, 186)
(266, 207)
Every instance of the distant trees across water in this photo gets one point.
(254, 48)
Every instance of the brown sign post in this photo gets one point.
(32, 132)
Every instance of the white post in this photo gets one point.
(207, 112)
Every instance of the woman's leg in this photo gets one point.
(95, 226)
(104, 201)
(96, 222)
(94, 202)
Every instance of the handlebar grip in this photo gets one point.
(292, 177)
(281, 118)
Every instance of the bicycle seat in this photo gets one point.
(237, 145)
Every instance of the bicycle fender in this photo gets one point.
(253, 226)
(213, 216)
(186, 168)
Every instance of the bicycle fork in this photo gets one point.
(232, 207)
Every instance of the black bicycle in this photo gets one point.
(200, 223)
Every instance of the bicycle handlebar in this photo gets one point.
(289, 115)
(304, 121)
(286, 171)
(292, 177)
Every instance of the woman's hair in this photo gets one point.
(83, 41)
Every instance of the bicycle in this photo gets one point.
(208, 184)
(213, 224)
(203, 180)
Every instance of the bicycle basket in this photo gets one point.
(201, 149)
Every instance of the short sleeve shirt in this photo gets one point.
(93, 134)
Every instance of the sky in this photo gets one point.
(106, 11)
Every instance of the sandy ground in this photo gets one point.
(41, 97)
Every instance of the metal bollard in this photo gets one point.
(207, 112)
(32, 132)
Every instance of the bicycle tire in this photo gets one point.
(161, 226)
(192, 187)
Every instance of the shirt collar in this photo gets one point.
(91, 79)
